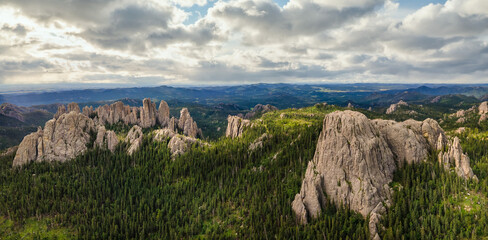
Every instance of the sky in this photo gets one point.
(218, 42)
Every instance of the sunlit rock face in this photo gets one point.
(63, 138)
(236, 126)
(355, 159)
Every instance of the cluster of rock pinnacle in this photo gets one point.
(69, 132)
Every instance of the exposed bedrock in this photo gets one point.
(355, 159)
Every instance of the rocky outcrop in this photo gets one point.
(483, 108)
(436, 99)
(258, 143)
(163, 114)
(178, 144)
(355, 159)
(134, 139)
(394, 107)
(148, 113)
(61, 111)
(260, 109)
(235, 126)
(118, 112)
(87, 111)
(454, 157)
(483, 111)
(62, 139)
(106, 139)
(187, 125)
(73, 107)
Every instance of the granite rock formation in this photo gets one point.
(483, 111)
(87, 111)
(483, 108)
(260, 109)
(178, 144)
(187, 125)
(235, 126)
(355, 159)
(106, 139)
(394, 107)
(163, 114)
(73, 107)
(61, 111)
(63, 138)
(134, 139)
(454, 157)
(148, 113)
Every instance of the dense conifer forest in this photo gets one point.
(229, 191)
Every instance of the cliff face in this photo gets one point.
(62, 138)
(235, 126)
(355, 159)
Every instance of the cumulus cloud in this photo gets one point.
(241, 41)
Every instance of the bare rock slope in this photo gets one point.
(355, 159)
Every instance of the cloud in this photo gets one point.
(241, 41)
(262, 21)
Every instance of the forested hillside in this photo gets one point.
(238, 188)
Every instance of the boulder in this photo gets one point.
(235, 126)
(134, 139)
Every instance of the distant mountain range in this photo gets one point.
(246, 96)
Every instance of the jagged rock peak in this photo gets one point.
(235, 126)
(178, 144)
(134, 139)
(394, 107)
(352, 165)
(61, 111)
(106, 139)
(163, 114)
(117, 112)
(454, 156)
(355, 159)
(62, 139)
(148, 113)
(87, 111)
(73, 107)
(187, 125)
